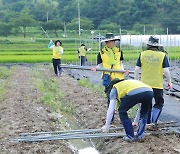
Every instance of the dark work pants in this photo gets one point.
(107, 94)
(83, 60)
(129, 101)
(158, 97)
(56, 65)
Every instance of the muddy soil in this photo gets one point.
(172, 98)
(21, 112)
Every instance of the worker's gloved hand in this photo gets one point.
(135, 124)
(105, 129)
(89, 49)
(126, 72)
(169, 85)
(93, 69)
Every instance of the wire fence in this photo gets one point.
(132, 44)
(171, 44)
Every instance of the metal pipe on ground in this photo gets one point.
(69, 132)
(83, 134)
(84, 131)
(89, 68)
(60, 137)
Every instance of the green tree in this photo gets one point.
(86, 24)
(96, 11)
(68, 10)
(44, 9)
(127, 14)
(54, 26)
(110, 26)
(17, 6)
(9, 1)
(144, 10)
(170, 12)
(24, 20)
(122, 13)
(5, 29)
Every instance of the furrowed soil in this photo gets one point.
(22, 112)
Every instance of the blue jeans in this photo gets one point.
(129, 101)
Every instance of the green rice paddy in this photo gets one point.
(18, 50)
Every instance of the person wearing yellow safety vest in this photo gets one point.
(124, 94)
(82, 54)
(56, 57)
(153, 62)
(110, 57)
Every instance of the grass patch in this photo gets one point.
(4, 74)
(25, 58)
(133, 111)
(52, 95)
(99, 89)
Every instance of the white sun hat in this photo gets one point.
(110, 37)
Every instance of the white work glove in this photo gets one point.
(89, 49)
(105, 129)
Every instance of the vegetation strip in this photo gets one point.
(4, 74)
(51, 93)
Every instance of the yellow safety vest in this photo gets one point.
(111, 60)
(82, 51)
(56, 52)
(152, 69)
(126, 86)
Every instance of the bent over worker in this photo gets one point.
(153, 62)
(129, 93)
(56, 57)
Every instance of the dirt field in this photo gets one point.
(21, 112)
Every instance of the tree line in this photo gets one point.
(134, 16)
